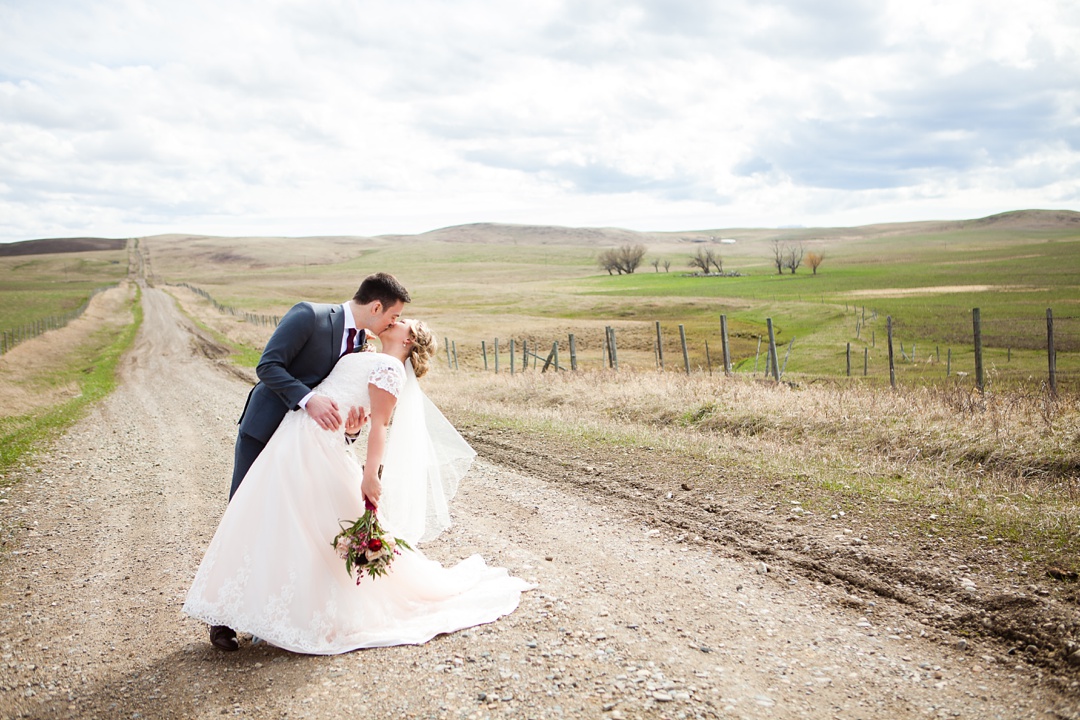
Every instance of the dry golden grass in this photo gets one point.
(1000, 465)
(35, 374)
(232, 326)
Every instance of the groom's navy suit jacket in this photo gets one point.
(299, 355)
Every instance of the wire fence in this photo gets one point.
(253, 318)
(10, 338)
(1001, 352)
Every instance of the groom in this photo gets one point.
(300, 354)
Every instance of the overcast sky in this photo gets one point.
(121, 118)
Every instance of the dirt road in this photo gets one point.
(631, 618)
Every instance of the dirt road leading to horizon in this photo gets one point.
(630, 619)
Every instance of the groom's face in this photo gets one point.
(384, 317)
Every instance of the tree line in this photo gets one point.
(628, 257)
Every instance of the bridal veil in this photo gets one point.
(424, 460)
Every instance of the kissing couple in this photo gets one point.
(271, 569)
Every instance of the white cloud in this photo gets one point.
(124, 117)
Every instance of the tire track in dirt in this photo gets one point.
(1021, 622)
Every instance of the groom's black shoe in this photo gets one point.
(223, 637)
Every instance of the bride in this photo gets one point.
(270, 569)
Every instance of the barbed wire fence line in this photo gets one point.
(999, 352)
(253, 318)
(27, 331)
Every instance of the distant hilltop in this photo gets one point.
(505, 233)
(48, 246)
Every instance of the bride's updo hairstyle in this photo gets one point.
(423, 348)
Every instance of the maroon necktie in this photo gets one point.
(349, 342)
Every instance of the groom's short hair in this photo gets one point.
(383, 287)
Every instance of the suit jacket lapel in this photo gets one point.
(337, 324)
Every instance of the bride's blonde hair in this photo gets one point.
(423, 348)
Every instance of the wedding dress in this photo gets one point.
(270, 569)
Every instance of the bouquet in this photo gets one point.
(366, 547)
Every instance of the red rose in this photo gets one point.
(375, 544)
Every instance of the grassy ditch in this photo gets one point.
(91, 367)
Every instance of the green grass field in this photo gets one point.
(926, 276)
(35, 287)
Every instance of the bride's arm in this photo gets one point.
(382, 408)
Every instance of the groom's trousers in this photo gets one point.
(247, 449)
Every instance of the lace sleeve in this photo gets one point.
(388, 376)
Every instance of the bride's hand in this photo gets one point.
(371, 488)
(357, 417)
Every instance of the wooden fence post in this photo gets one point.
(524, 355)
(865, 361)
(787, 354)
(659, 347)
(708, 359)
(948, 363)
(849, 359)
(892, 360)
(512, 360)
(757, 354)
(454, 343)
(1051, 353)
(483, 349)
(725, 348)
(613, 351)
(976, 322)
(772, 352)
(573, 353)
(496, 353)
(446, 342)
(685, 354)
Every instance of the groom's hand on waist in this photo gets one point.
(324, 412)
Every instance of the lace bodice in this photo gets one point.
(348, 383)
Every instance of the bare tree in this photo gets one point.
(793, 257)
(630, 257)
(608, 261)
(656, 264)
(702, 261)
(718, 262)
(623, 259)
(778, 256)
(667, 266)
(814, 260)
(707, 258)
